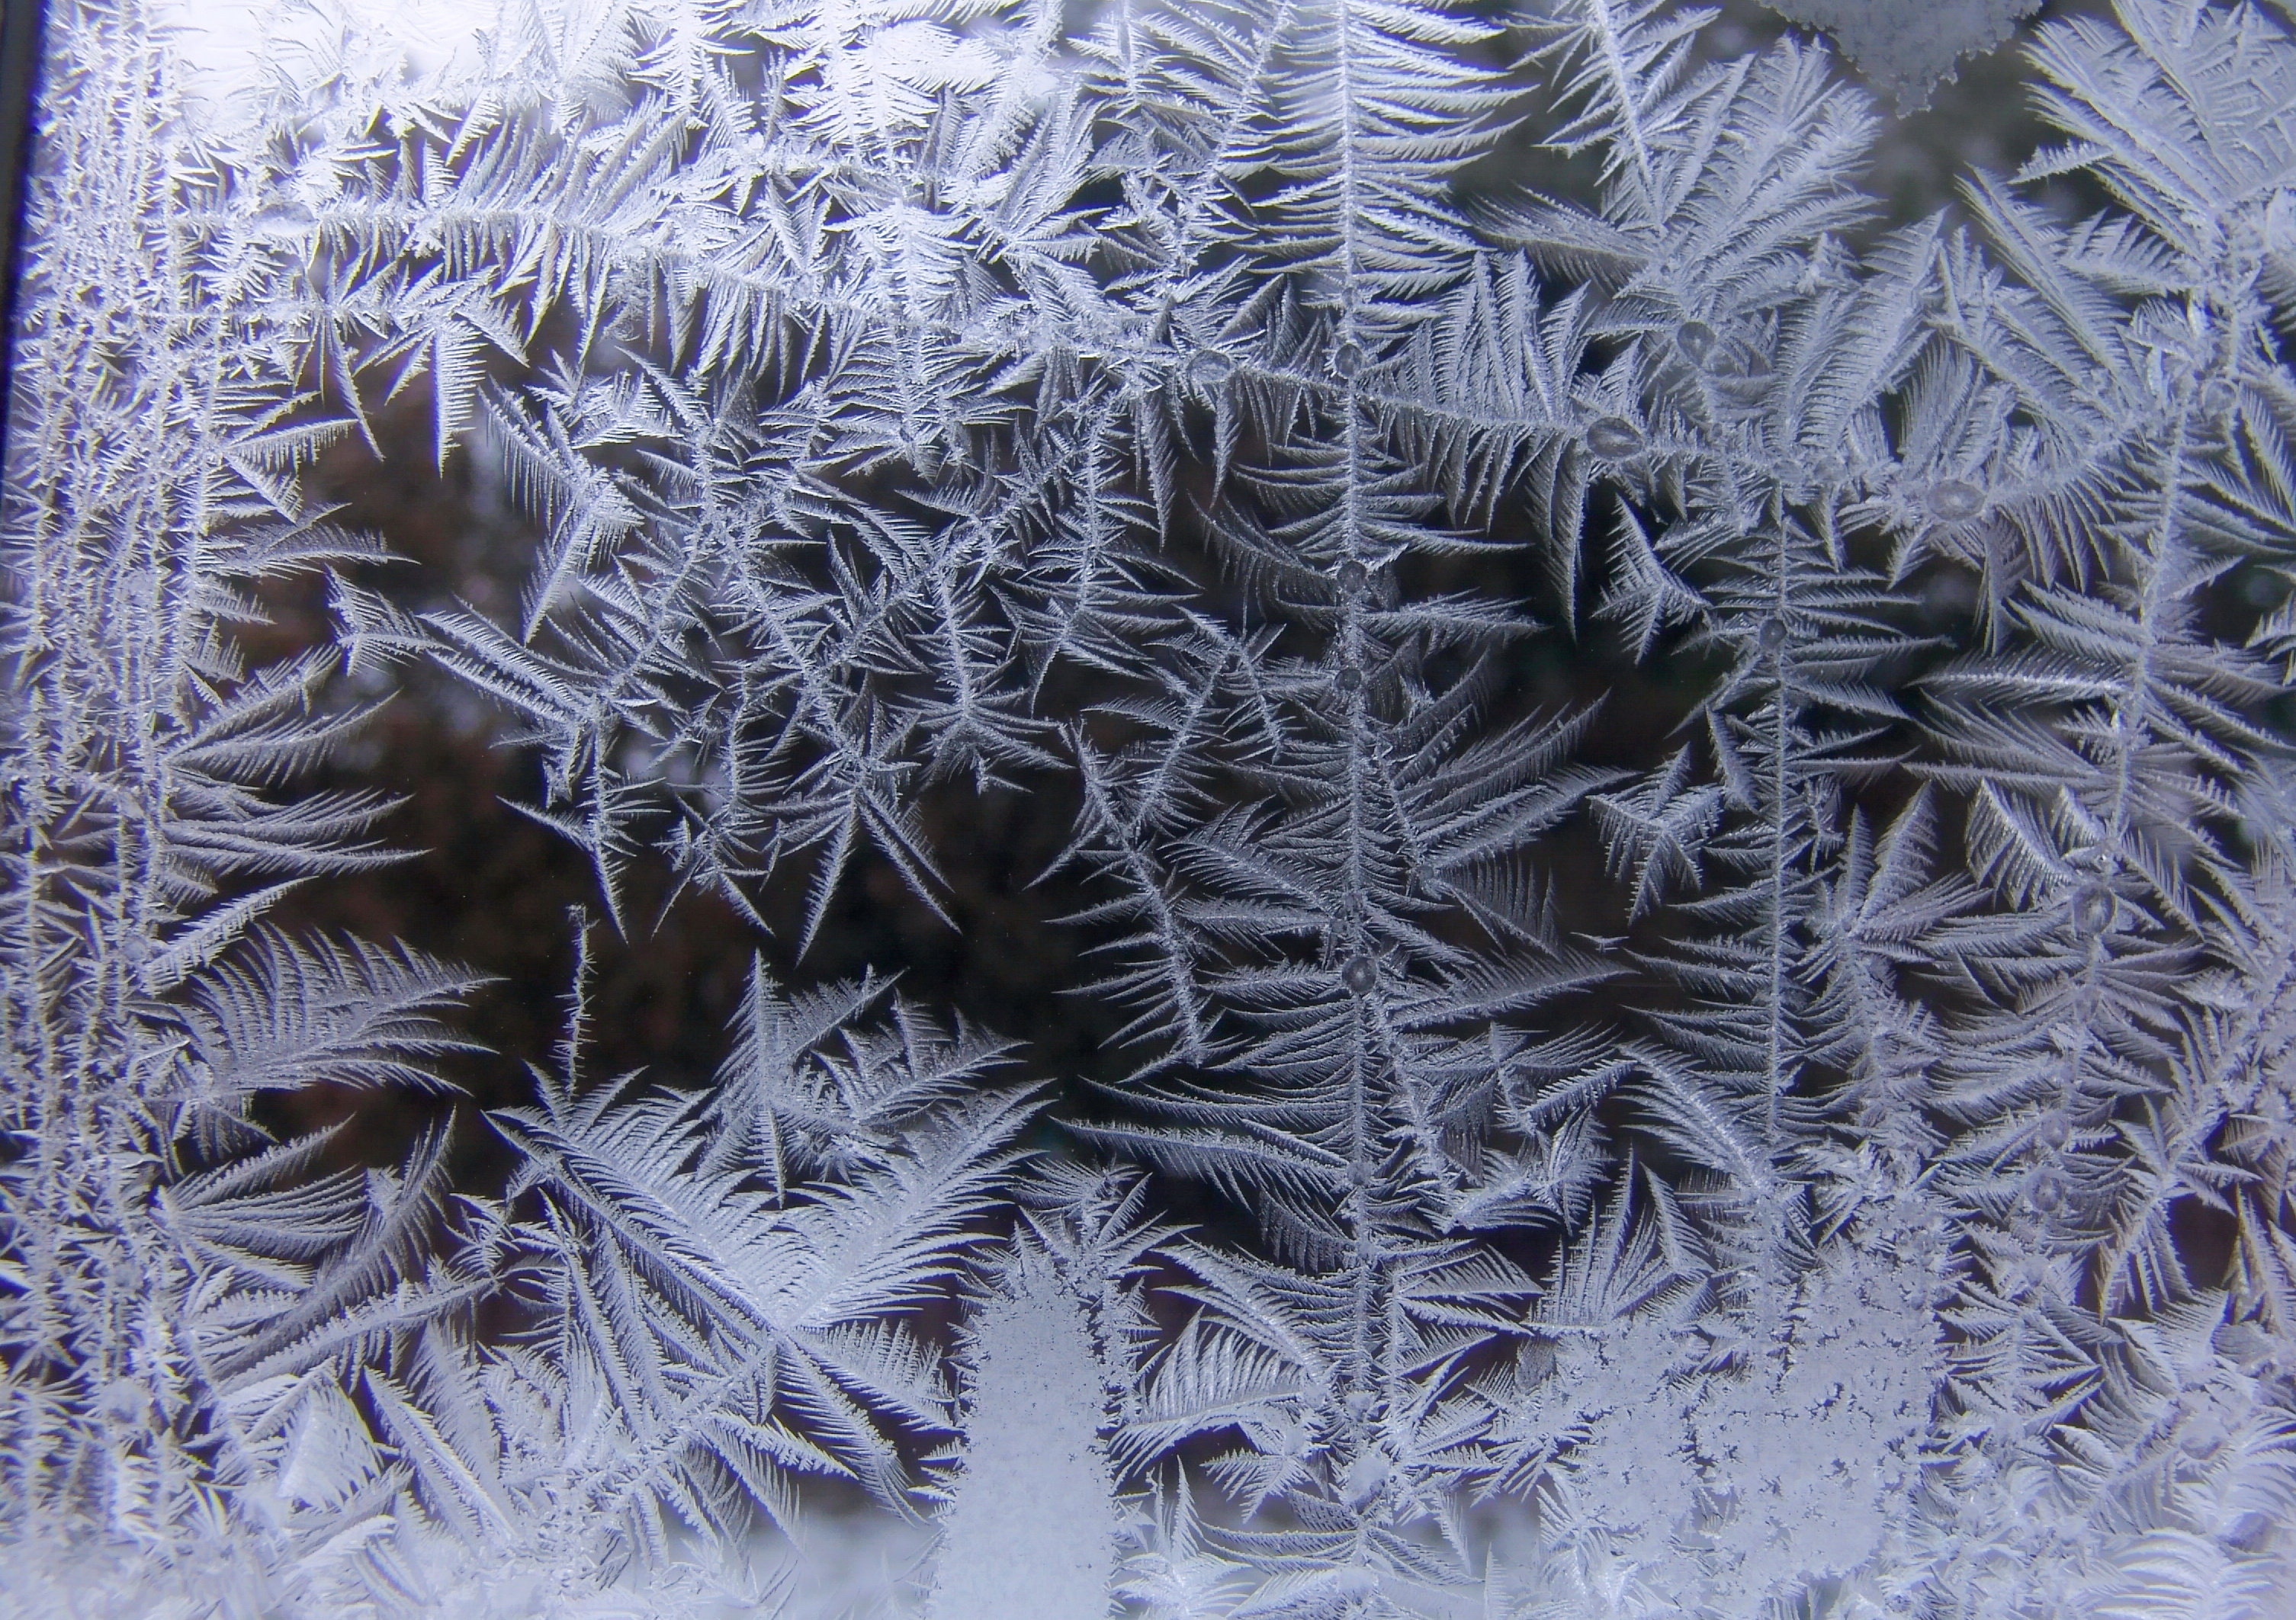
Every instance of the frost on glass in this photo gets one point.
(1031, 1526)
(1904, 49)
(1825, 1154)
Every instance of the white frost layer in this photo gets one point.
(1032, 1530)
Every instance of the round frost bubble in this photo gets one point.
(126, 1399)
(1348, 360)
(1350, 680)
(2048, 1192)
(139, 588)
(1773, 633)
(1354, 578)
(1287, 1437)
(1954, 501)
(1208, 368)
(2092, 910)
(1614, 439)
(1696, 340)
(1366, 1477)
(1359, 975)
(2054, 1131)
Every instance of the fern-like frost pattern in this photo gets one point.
(1873, 1201)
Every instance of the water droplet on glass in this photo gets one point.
(2092, 910)
(1614, 439)
(1354, 577)
(1208, 368)
(1773, 633)
(1348, 359)
(1954, 501)
(1696, 339)
(1359, 975)
(1350, 680)
(2047, 1192)
(2053, 1131)
(1737, 361)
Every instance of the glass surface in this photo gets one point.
(1343, 809)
